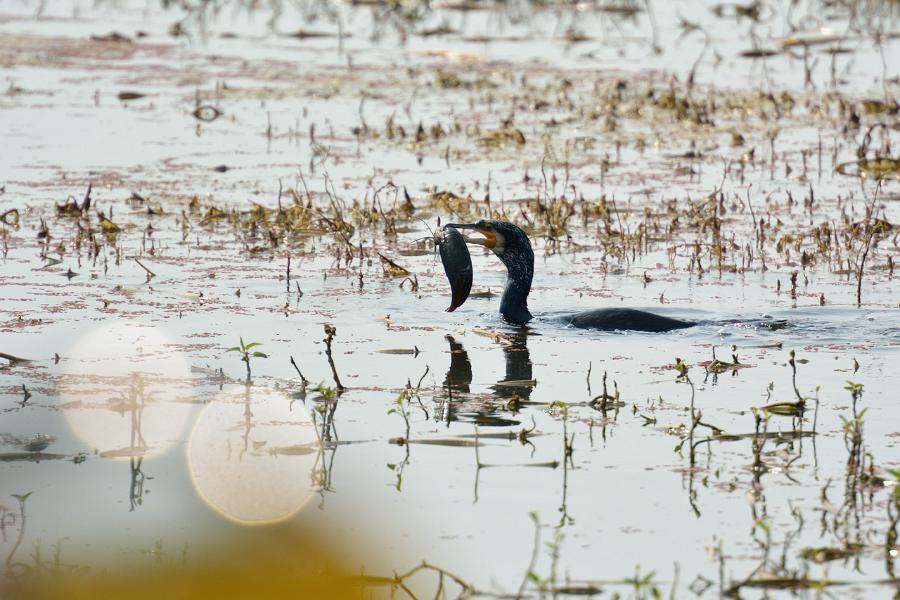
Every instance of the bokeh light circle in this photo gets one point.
(126, 390)
(252, 456)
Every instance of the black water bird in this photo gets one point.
(511, 245)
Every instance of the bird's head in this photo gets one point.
(511, 246)
(507, 241)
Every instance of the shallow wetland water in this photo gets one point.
(177, 185)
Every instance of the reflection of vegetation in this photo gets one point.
(136, 403)
(326, 431)
(568, 450)
(136, 491)
(400, 407)
(534, 582)
(845, 523)
(18, 521)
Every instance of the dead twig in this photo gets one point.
(150, 274)
(330, 331)
(303, 379)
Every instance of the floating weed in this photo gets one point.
(796, 408)
(10, 218)
(107, 226)
(414, 351)
(502, 137)
(825, 554)
(716, 366)
(606, 401)
(206, 113)
(391, 268)
(786, 409)
(212, 372)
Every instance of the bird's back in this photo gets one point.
(625, 319)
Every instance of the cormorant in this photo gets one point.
(511, 245)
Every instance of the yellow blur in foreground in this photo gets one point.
(279, 562)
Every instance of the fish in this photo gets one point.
(457, 264)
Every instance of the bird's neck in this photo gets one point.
(514, 303)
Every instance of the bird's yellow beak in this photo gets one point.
(490, 236)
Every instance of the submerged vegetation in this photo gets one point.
(279, 169)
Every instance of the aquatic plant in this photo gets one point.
(245, 351)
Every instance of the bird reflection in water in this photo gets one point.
(518, 383)
(459, 375)
(457, 381)
(454, 400)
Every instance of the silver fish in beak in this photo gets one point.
(457, 264)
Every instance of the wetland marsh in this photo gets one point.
(225, 360)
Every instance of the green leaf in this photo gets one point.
(260, 354)
(235, 349)
(853, 387)
(251, 345)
